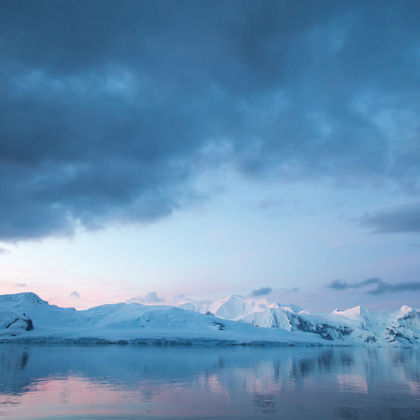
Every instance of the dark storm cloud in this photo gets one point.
(397, 220)
(263, 291)
(381, 287)
(108, 110)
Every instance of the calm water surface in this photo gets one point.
(95, 382)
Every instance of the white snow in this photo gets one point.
(133, 323)
(352, 326)
(232, 320)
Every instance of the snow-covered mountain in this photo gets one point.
(355, 325)
(234, 320)
(25, 317)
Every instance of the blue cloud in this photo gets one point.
(112, 120)
(403, 219)
(381, 287)
(263, 291)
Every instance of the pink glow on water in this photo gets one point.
(103, 381)
(69, 396)
(76, 396)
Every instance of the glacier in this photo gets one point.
(234, 320)
(356, 325)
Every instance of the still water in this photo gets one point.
(95, 382)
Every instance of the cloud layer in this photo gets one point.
(151, 297)
(381, 287)
(263, 291)
(107, 113)
(403, 219)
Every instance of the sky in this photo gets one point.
(161, 151)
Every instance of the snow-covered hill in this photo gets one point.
(25, 317)
(351, 326)
(233, 320)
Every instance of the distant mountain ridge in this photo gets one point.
(234, 320)
(356, 325)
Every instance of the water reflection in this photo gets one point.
(184, 382)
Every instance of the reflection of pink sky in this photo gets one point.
(259, 380)
(214, 385)
(353, 383)
(76, 396)
(73, 395)
(414, 388)
(210, 393)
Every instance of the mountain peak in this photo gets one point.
(355, 312)
(24, 297)
(290, 307)
(403, 311)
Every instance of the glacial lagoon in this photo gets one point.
(118, 382)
